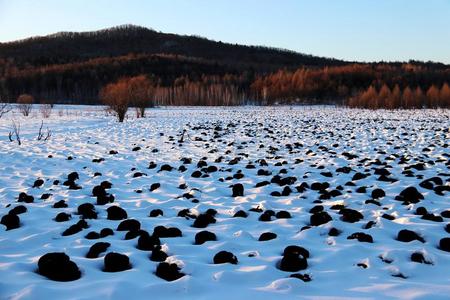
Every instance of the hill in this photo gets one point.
(72, 67)
(69, 47)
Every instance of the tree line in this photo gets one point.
(191, 81)
(339, 84)
(80, 82)
(396, 98)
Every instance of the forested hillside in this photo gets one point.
(189, 70)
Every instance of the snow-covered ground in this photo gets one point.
(308, 144)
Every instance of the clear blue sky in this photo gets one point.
(363, 30)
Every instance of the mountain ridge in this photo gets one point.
(63, 47)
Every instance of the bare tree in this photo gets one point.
(4, 107)
(141, 90)
(25, 104)
(41, 136)
(116, 96)
(137, 91)
(46, 109)
(16, 132)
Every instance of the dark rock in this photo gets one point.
(337, 206)
(369, 225)
(186, 160)
(296, 250)
(166, 167)
(432, 217)
(361, 190)
(386, 179)
(267, 236)
(378, 193)
(158, 255)
(186, 213)
(211, 169)
(302, 187)
(419, 258)
(350, 215)
(362, 265)
(106, 232)
(407, 236)
(164, 232)
(19, 209)
(444, 244)
(96, 249)
(286, 191)
(106, 184)
(147, 242)
(334, 232)
(11, 221)
(203, 220)
(169, 272)
(75, 228)
(302, 277)
(92, 235)
(316, 209)
(38, 183)
(196, 174)
(98, 191)
(116, 213)
(116, 262)
(105, 198)
(430, 183)
(421, 211)
(293, 262)
(73, 176)
(23, 197)
(238, 190)
(45, 196)
(388, 217)
(371, 201)
(335, 193)
(87, 211)
(266, 217)
(358, 176)
(129, 224)
(361, 237)
(204, 236)
(282, 214)
(155, 186)
(132, 234)
(156, 212)
(211, 212)
(58, 266)
(240, 214)
(446, 213)
(319, 218)
(63, 217)
(138, 174)
(262, 183)
(225, 257)
(410, 195)
(317, 186)
(60, 204)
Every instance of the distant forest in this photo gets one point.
(189, 70)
